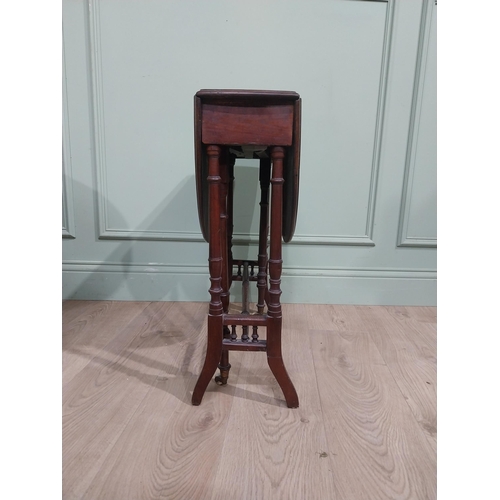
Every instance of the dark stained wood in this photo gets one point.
(226, 165)
(274, 356)
(245, 319)
(224, 232)
(239, 118)
(244, 97)
(215, 311)
(239, 345)
(255, 99)
(230, 227)
(201, 168)
(291, 176)
(247, 125)
(265, 180)
(239, 264)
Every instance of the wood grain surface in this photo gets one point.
(408, 346)
(363, 429)
(270, 125)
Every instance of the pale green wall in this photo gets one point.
(366, 71)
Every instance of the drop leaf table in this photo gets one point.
(263, 124)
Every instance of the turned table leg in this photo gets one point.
(215, 264)
(227, 267)
(274, 355)
(264, 178)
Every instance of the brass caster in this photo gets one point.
(224, 374)
(220, 380)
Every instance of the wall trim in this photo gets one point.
(108, 233)
(87, 280)
(125, 267)
(148, 268)
(97, 107)
(313, 239)
(238, 238)
(403, 239)
(148, 235)
(68, 212)
(379, 126)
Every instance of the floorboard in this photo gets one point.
(365, 428)
(377, 448)
(410, 354)
(271, 451)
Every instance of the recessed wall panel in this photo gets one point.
(149, 62)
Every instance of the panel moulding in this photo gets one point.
(68, 226)
(107, 232)
(320, 272)
(404, 239)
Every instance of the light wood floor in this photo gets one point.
(365, 429)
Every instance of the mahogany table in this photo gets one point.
(261, 124)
